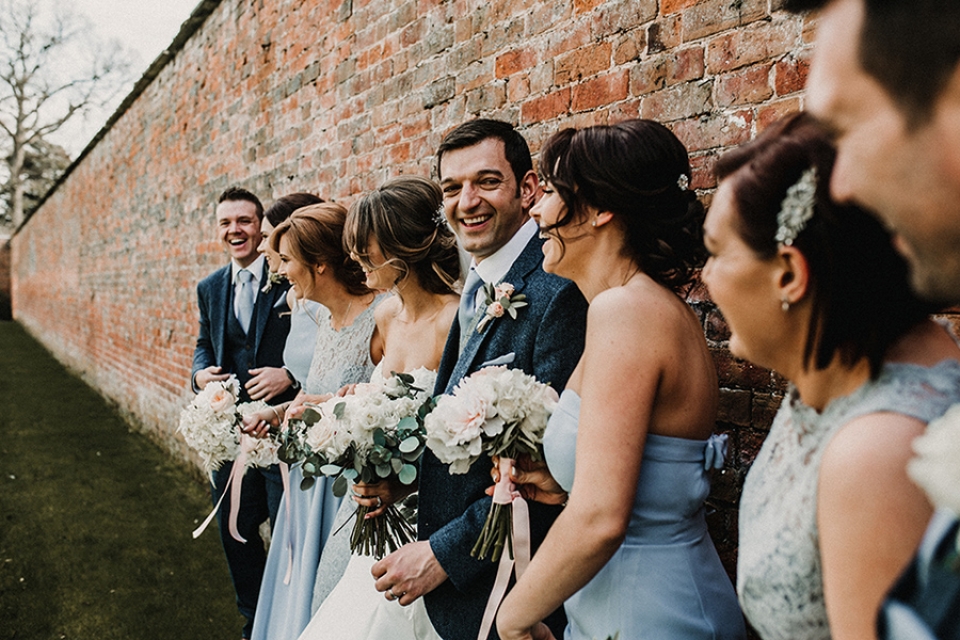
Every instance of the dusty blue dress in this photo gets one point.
(283, 610)
(665, 581)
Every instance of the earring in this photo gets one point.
(594, 223)
(785, 305)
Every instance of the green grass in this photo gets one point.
(95, 520)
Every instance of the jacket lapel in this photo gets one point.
(265, 302)
(219, 308)
(528, 260)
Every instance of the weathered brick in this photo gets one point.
(791, 74)
(744, 86)
(582, 63)
(546, 107)
(672, 103)
(599, 91)
(756, 43)
(708, 17)
(666, 70)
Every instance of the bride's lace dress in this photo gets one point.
(779, 576)
(350, 608)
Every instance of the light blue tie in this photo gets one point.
(468, 302)
(245, 299)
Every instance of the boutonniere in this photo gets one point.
(272, 279)
(500, 300)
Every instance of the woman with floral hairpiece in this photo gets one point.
(814, 290)
(631, 439)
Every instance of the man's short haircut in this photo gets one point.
(239, 193)
(476, 131)
(911, 47)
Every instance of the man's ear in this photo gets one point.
(792, 275)
(529, 187)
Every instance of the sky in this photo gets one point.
(143, 28)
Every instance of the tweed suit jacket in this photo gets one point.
(269, 328)
(546, 340)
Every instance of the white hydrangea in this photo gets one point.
(209, 423)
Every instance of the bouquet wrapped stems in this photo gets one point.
(497, 532)
(381, 535)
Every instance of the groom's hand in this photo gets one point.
(267, 382)
(203, 377)
(408, 573)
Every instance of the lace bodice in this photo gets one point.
(779, 579)
(341, 356)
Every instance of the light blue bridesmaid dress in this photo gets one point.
(665, 581)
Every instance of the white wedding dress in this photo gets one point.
(355, 610)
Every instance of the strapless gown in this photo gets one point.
(666, 580)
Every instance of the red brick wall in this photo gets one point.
(335, 97)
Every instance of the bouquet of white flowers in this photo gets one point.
(210, 424)
(374, 434)
(498, 412)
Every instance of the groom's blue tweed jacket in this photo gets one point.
(546, 339)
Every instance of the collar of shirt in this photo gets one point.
(255, 267)
(494, 267)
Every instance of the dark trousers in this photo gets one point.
(260, 497)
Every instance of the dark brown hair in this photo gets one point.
(633, 170)
(315, 234)
(283, 206)
(515, 148)
(241, 194)
(404, 215)
(859, 286)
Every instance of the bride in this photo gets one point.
(396, 236)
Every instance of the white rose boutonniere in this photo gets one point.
(936, 467)
(500, 300)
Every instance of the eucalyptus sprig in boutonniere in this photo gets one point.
(272, 278)
(500, 300)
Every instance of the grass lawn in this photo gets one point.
(95, 520)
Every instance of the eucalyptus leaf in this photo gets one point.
(338, 409)
(306, 483)
(349, 474)
(396, 464)
(383, 470)
(407, 474)
(379, 438)
(330, 469)
(311, 416)
(309, 468)
(410, 444)
(340, 487)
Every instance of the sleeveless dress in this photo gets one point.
(306, 517)
(371, 615)
(779, 577)
(297, 354)
(666, 580)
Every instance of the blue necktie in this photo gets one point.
(245, 299)
(468, 301)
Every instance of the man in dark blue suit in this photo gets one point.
(885, 79)
(242, 333)
(489, 186)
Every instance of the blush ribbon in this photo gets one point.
(505, 492)
(233, 486)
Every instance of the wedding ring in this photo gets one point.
(379, 502)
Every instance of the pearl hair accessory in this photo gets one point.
(797, 208)
(683, 182)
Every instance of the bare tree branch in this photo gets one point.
(39, 39)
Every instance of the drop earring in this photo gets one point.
(785, 305)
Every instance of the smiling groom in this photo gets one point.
(489, 186)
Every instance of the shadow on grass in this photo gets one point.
(95, 521)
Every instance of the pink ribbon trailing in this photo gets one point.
(505, 492)
(234, 485)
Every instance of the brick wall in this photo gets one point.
(335, 97)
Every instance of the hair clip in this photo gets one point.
(683, 182)
(797, 207)
(440, 216)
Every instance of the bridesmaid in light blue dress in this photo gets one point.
(347, 347)
(630, 447)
